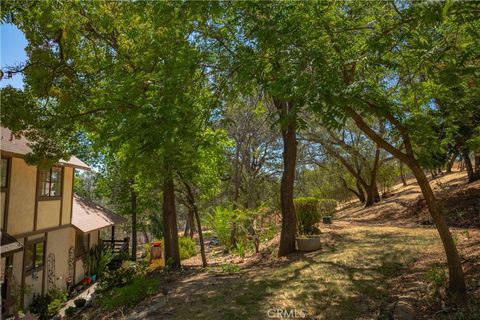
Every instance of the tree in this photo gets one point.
(257, 48)
(157, 89)
(356, 153)
(379, 73)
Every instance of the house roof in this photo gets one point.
(8, 243)
(20, 146)
(88, 216)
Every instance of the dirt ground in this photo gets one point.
(371, 259)
(405, 206)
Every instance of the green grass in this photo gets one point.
(129, 295)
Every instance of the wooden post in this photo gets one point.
(113, 234)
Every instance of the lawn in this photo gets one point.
(350, 278)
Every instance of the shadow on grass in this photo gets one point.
(348, 280)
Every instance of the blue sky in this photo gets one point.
(12, 45)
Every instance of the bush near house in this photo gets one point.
(47, 306)
(120, 277)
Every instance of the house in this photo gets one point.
(45, 227)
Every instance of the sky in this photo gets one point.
(12, 45)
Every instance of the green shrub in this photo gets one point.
(223, 220)
(327, 207)
(241, 249)
(54, 307)
(104, 257)
(310, 211)
(80, 302)
(308, 214)
(187, 247)
(39, 306)
(47, 306)
(146, 249)
(70, 311)
(57, 294)
(220, 221)
(120, 277)
(129, 295)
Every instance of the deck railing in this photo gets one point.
(117, 246)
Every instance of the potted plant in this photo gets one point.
(80, 302)
(308, 215)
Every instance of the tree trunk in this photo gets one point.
(361, 192)
(451, 162)
(190, 224)
(402, 174)
(200, 239)
(456, 278)
(187, 228)
(456, 283)
(370, 198)
(145, 233)
(358, 193)
(477, 165)
(289, 217)
(468, 165)
(133, 202)
(170, 233)
(193, 204)
(372, 191)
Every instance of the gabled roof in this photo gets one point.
(88, 216)
(20, 146)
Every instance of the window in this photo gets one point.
(50, 182)
(34, 255)
(4, 170)
(82, 243)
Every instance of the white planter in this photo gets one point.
(308, 243)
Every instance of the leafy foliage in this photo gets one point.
(187, 247)
(47, 306)
(308, 214)
(120, 277)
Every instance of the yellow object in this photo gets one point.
(157, 263)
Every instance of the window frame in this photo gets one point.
(77, 254)
(34, 243)
(39, 183)
(5, 187)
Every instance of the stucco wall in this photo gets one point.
(34, 285)
(59, 243)
(79, 273)
(48, 214)
(22, 197)
(67, 195)
(17, 266)
(93, 238)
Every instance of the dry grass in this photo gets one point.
(350, 278)
(370, 258)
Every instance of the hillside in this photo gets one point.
(406, 207)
